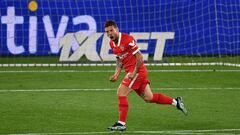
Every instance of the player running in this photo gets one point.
(130, 58)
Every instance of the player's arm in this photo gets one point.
(139, 61)
(118, 69)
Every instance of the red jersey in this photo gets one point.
(125, 50)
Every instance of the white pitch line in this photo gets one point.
(55, 71)
(203, 88)
(104, 71)
(108, 89)
(211, 131)
(52, 90)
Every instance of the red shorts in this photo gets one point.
(138, 83)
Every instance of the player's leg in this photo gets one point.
(158, 98)
(122, 94)
(161, 98)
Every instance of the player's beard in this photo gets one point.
(111, 37)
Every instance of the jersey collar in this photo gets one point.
(119, 39)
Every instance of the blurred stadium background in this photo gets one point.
(167, 31)
(55, 62)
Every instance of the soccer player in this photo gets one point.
(130, 58)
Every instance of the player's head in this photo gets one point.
(111, 29)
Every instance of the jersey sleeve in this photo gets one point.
(133, 46)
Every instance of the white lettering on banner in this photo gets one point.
(33, 34)
(105, 48)
(87, 47)
(75, 45)
(142, 46)
(161, 39)
(65, 44)
(10, 20)
(84, 19)
(52, 39)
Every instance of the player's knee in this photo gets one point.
(147, 99)
(122, 92)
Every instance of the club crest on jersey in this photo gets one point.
(122, 56)
(122, 48)
(132, 43)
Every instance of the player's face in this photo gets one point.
(112, 32)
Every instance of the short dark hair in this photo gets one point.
(110, 23)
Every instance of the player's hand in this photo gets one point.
(131, 75)
(113, 78)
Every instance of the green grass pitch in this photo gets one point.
(212, 99)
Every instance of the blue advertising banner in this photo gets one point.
(185, 27)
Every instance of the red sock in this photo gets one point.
(122, 108)
(161, 99)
